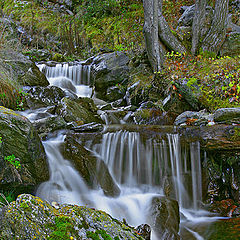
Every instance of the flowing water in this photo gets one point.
(142, 167)
(75, 77)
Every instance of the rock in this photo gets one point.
(144, 231)
(92, 170)
(80, 111)
(164, 218)
(20, 140)
(194, 118)
(29, 217)
(227, 115)
(114, 93)
(109, 69)
(223, 174)
(49, 124)
(38, 97)
(90, 127)
(21, 69)
(151, 114)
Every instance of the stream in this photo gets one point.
(141, 167)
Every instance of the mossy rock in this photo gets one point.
(93, 170)
(31, 218)
(21, 70)
(20, 139)
(81, 111)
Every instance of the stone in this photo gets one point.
(164, 218)
(107, 70)
(80, 111)
(114, 93)
(92, 170)
(49, 124)
(21, 70)
(194, 118)
(230, 115)
(38, 97)
(19, 139)
(30, 217)
(90, 127)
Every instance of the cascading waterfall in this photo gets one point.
(75, 77)
(140, 167)
(133, 163)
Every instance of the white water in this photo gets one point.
(140, 168)
(69, 77)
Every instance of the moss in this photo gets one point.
(236, 135)
(62, 229)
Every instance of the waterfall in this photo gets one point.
(142, 167)
(135, 162)
(75, 77)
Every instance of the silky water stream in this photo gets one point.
(140, 168)
(74, 77)
(139, 165)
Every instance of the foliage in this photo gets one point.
(215, 80)
(13, 160)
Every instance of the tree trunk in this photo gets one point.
(198, 22)
(150, 30)
(165, 34)
(217, 32)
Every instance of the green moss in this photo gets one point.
(62, 229)
(236, 135)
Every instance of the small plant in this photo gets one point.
(13, 160)
(3, 200)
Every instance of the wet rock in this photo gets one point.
(151, 114)
(144, 231)
(21, 142)
(81, 111)
(114, 93)
(21, 69)
(93, 171)
(223, 174)
(49, 124)
(164, 218)
(29, 217)
(136, 94)
(38, 97)
(109, 69)
(90, 127)
(194, 118)
(227, 115)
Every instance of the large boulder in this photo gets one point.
(23, 162)
(21, 70)
(164, 218)
(92, 170)
(31, 218)
(81, 110)
(227, 115)
(38, 97)
(109, 69)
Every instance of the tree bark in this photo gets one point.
(217, 32)
(150, 30)
(198, 22)
(165, 34)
